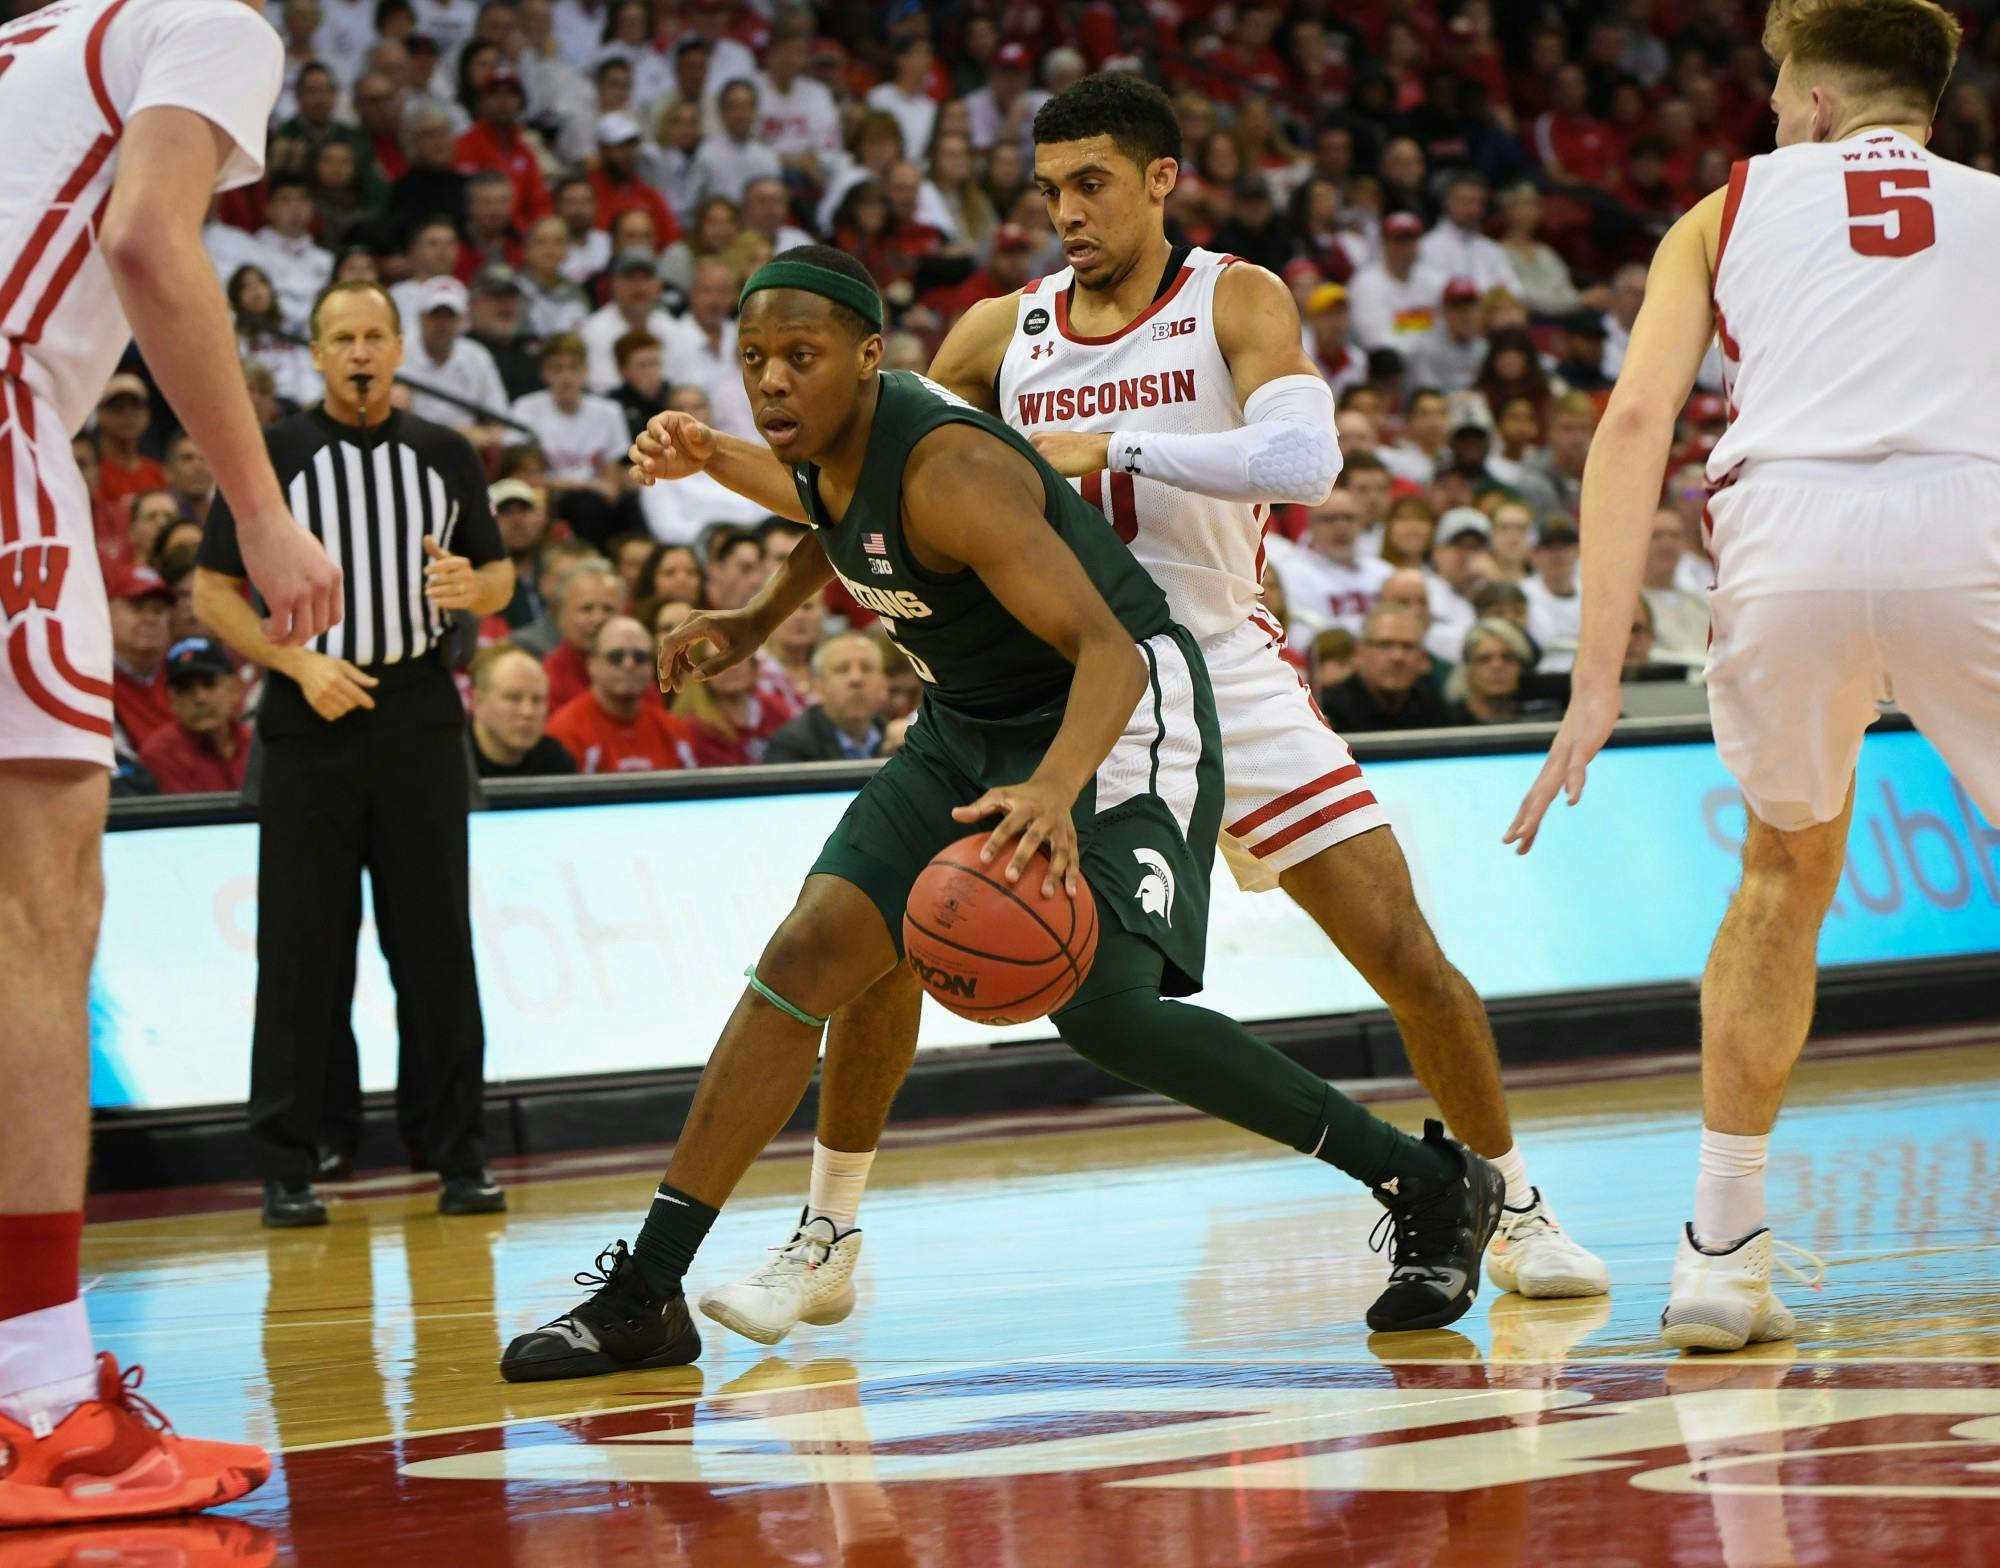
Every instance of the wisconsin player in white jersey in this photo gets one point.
(1186, 368)
(1855, 529)
(118, 120)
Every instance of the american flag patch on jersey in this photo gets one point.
(874, 544)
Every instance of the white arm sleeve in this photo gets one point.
(1285, 450)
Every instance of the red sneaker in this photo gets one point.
(117, 1457)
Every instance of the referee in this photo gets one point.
(364, 762)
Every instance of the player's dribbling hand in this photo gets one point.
(1039, 815)
(1072, 453)
(333, 686)
(1585, 728)
(290, 568)
(731, 636)
(672, 446)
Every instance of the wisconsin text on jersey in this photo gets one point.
(1060, 405)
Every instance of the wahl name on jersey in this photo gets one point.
(1095, 400)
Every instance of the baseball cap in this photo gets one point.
(617, 128)
(1557, 530)
(1461, 291)
(1011, 236)
(508, 491)
(194, 657)
(122, 580)
(1325, 297)
(496, 279)
(441, 294)
(124, 384)
(1708, 408)
(1402, 225)
(1012, 57)
(628, 261)
(1461, 520)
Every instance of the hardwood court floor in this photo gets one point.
(1122, 1337)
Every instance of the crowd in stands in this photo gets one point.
(565, 196)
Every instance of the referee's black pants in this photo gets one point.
(385, 790)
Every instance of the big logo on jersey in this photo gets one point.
(31, 576)
(1062, 405)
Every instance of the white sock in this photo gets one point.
(838, 1179)
(48, 1365)
(1520, 1192)
(1729, 1192)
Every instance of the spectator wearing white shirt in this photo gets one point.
(1628, 293)
(1458, 246)
(1005, 108)
(628, 37)
(294, 262)
(433, 253)
(634, 307)
(262, 338)
(729, 58)
(442, 357)
(1425, 447)
(734, 157)
(906, 95)
(580, 27)
(700, 350)
(1328, 583)
(554, 305)
(681, 510)
(346, 29)
(675, 167)
(1555, 607)
(1680, 613)
(561, 99)
(582, 436)
(1450, 355)
(587, 248)
(229, 248)
(1396, 300)
(797, 117)
(1461, 563)
(767, 211)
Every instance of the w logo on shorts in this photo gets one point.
(1156, 887)
(31, 576)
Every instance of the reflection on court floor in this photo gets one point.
(1136, 1337)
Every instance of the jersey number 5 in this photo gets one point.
(1124, 508)
(1904, 222)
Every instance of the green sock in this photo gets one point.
(1214, 1064)
(675, 1227)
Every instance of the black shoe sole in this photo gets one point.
(306, 1220)
(497, 1204)
(684, 1351)
(1493, 1195)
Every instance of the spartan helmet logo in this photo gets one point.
(1156, 887)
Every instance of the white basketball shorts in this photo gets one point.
(1291, 786)
(55, 675)
(1840, 584)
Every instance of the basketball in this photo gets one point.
(995, 952)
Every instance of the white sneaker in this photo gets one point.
(810, 1279)
(1724, 1300)
(1532, 1254)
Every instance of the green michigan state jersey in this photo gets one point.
(972, 654)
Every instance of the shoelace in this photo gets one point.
(1403, 1239)
(794, 1257)
(604, 1273)
(1816, 1280)
(142, 1407)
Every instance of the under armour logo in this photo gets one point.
(1042, 350)
(1156, 887)
(1131, 460)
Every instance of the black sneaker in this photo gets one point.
(621, 1328)
(478, 1193)
(1437, 1233)
(292, 1205)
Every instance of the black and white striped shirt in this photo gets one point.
(370, 500)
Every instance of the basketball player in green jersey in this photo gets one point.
(1060, 697)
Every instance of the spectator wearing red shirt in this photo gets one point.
(1569, 142)
(378, 106)
(142, 608)
(616, 183)
(490, 237)
(207, 745)
(1005, 271)
(495, 142)
(727, 720)
(617, 726)
(585, 599)
(1246, 62)
(123, 413)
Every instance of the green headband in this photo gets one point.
(857, 296)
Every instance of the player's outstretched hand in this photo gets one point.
(1585, 728)
(289, 567)
(1039, 814)
(731, 636)
(1072, 453)
(672, 446)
